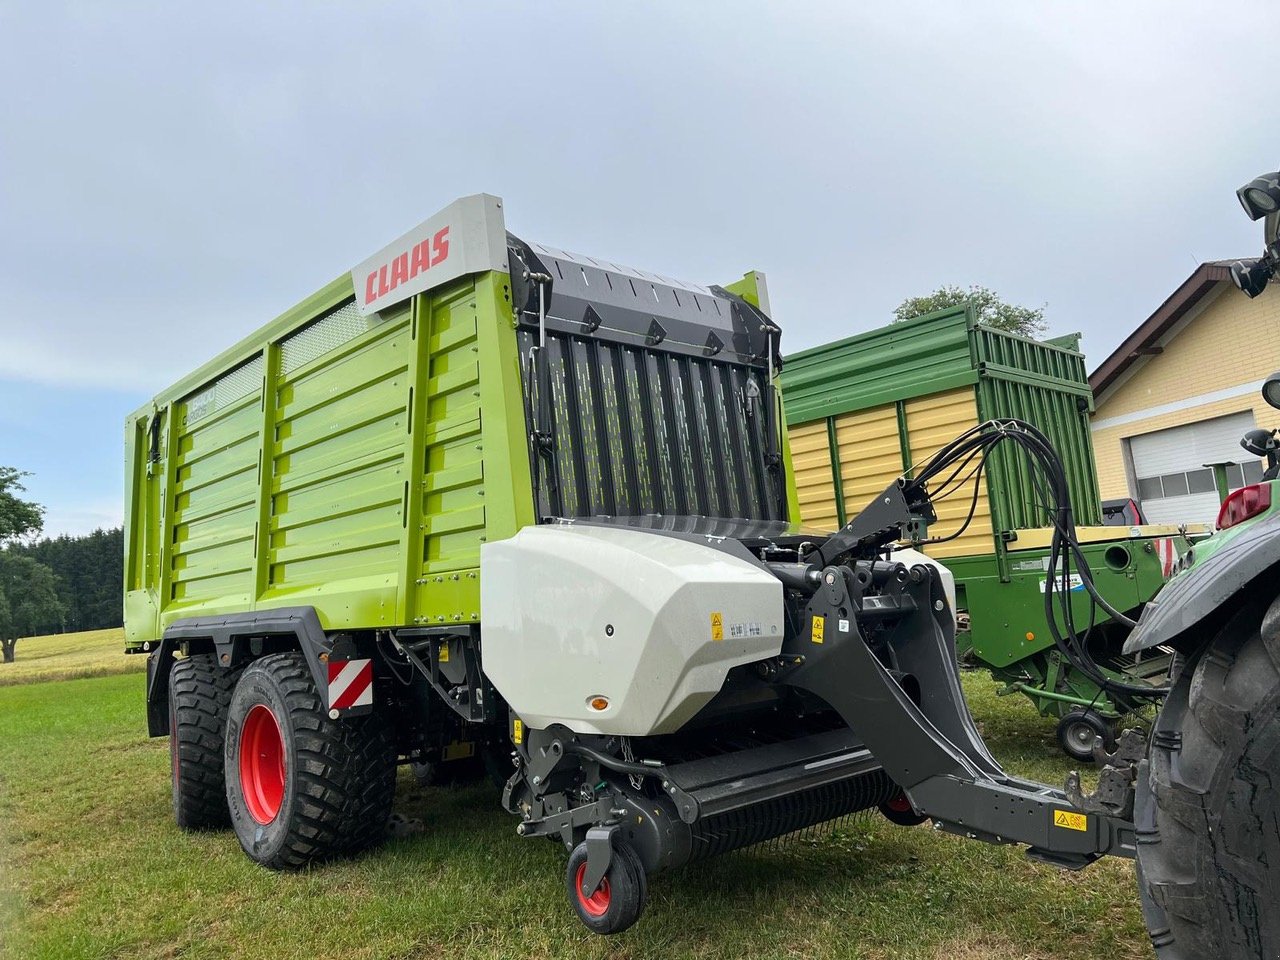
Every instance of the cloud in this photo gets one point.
(185, 174)
(77, 519)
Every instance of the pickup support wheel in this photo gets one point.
(1076, 732)
(897, 809)
(301, 786)
(618, 900)
(199, 695)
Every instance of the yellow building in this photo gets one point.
(1179, 393)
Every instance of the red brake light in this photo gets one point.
(1244, 503)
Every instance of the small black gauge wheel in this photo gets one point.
(1077, 730)
(897, 809)
(619, 899)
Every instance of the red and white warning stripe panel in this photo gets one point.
(1167, 551)
(350, 684)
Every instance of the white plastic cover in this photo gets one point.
(650, 623)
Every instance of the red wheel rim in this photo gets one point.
(900, 804)
(596, 905)
(262, 764)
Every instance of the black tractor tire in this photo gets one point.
(199, 695)
(619, 900)
(1076, 732)
(1207, 809)
(302, 787)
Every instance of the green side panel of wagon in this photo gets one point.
(863, 410)
(356, 453)
(981, 372)
(351, 464)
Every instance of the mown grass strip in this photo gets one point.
(91, 866)
(70, 656)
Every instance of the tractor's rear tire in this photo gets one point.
(199, 695)
(1208, 801)
(302, 787)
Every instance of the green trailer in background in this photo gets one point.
(862, 410)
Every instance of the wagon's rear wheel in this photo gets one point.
(199, 695)
(301, 786)
(1208, 801)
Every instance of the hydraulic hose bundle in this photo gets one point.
(1065, 557)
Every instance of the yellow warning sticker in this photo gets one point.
(717, 626)
(517, 731)
(819, 628)
(443, 655)
(1069, 820)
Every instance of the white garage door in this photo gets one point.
(1173, 484)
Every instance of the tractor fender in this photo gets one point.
(1198, 597)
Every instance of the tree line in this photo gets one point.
(53, 584)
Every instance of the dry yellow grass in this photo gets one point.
(64, 656)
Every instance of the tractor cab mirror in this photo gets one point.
(1260, 198)
(1271, 389)
(1260, 443)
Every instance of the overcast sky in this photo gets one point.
(172, 176)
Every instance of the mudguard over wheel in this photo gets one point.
(1207, 815)
(302, 787)
(199, 695)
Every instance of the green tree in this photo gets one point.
(987, 306)
(29, 601)
(18, 518)
(6, 619)
(89, 570)
(31, 591)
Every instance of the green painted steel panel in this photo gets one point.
(842, 389)
(905, 360)
(341, 463)
(1044, 383)
(353, 464)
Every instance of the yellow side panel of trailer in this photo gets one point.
(870, 454)
(932, 423)
(811, 461)
(870, 446)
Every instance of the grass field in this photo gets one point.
(92, 866)
(66, 656)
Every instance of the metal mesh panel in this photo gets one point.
(642, 432)
(338, 326)
(226, 390)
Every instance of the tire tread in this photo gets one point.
(1201, 898)
(344, 771)
(200, 694)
